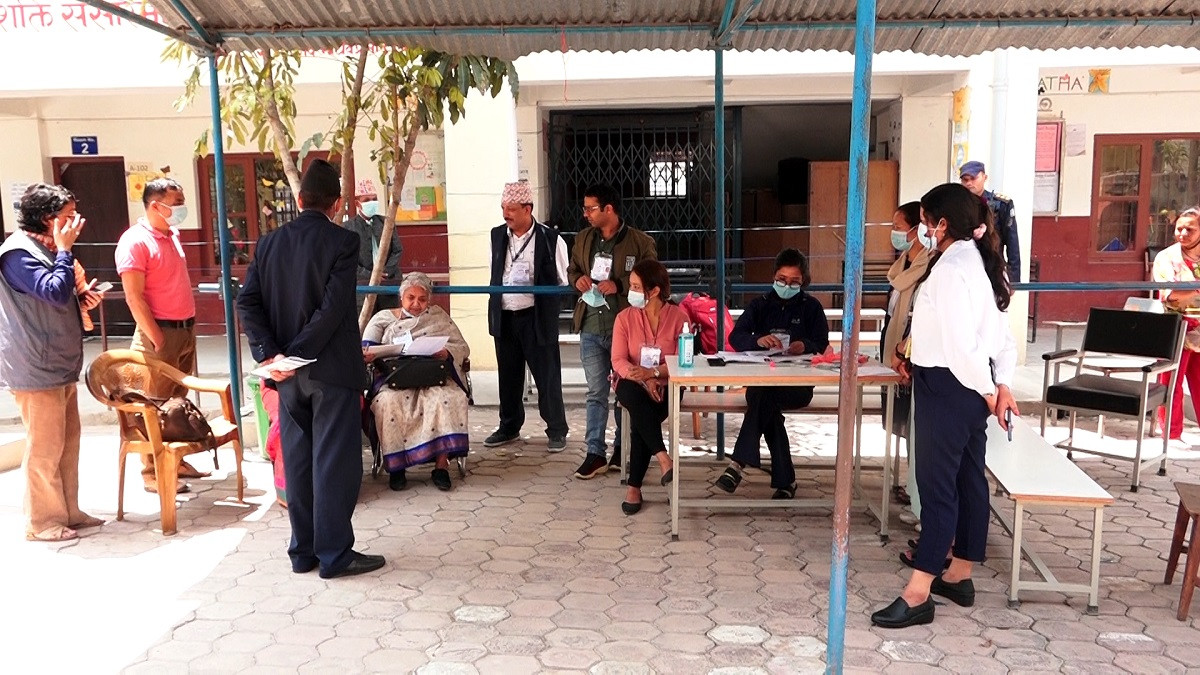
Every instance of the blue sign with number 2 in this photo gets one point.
(83, 145)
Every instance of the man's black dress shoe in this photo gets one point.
(961, 593)
(900, 615)
(360, 563)
(304, 565)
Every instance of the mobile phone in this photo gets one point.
(716, 361)
(1008, 422)
(103, 287)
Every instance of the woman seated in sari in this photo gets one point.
(418, 426)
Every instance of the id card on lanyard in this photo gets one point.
(520, 273)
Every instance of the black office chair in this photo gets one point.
(1152, 342)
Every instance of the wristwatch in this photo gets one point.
(655, 371)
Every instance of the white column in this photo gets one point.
(481, 156)
(924, 143)
(1010, 165)
(21, 146)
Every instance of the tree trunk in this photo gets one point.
(352, 106)
(283, 150)
(399, 172)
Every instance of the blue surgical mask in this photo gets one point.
(370, 209)
(926, 237)
(900, 241)
(784, 291)
(178, 215)
(637, 299)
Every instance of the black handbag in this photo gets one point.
(412, 372)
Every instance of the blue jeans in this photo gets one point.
(595, 351)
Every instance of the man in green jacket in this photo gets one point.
(601, 259)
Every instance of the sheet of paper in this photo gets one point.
(285, 365)
(426, 346)
(743, 357)
(383, 351)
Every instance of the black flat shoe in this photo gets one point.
(961, 593)
(914, 543)
(360, 563)
(631, 508)
(441, 479)
(668, 477)
(398, 481)
(304, 565)
(906, 557)
(729, 480)
(900, 615)
(785, 493)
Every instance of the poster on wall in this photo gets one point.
(1045, 192)
(1047, 148)
(423, 196)
(960, 127)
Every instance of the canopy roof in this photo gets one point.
(509, 29)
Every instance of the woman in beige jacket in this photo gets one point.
(904, 276)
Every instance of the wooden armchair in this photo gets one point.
(119, 370)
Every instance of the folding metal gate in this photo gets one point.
(661, 162)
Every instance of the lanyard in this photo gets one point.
(523, 246)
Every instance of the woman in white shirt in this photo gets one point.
(963, 359)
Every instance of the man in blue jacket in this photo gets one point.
(299, 301)
(789, 319)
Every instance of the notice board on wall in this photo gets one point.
(1047, 166)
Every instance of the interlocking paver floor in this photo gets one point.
(522, 569)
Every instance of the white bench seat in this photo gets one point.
(1034, 472)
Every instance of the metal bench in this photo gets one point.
(1035, 473)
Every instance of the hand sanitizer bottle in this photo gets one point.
(687, 344)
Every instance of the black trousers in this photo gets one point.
(950, 422)
(320, 430)
(645, 427)
(764, 419)
(517, 346)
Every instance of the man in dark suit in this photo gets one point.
(299, 301)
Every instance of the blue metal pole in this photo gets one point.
(719, 201)
(232, 335)
(856, 211)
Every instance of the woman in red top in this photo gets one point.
(643, 336)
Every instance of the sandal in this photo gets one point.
(88, 521)
(188, 471)
(53, 534)
(729, 480)
(785, 493)
(901, 495)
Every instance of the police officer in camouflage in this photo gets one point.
(973, 177)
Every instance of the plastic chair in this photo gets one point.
(119, 370)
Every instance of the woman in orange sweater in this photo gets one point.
(643, 336)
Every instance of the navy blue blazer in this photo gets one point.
(298, 299)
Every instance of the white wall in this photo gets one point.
(480, 158)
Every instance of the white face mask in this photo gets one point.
(637, 299)
(177, 216)
(900, 241)
(370, 209)
(928, 240)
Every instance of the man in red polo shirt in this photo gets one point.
(154, 276)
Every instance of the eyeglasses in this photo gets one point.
(795, 285)
(589, 209)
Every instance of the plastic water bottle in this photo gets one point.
(687, 346)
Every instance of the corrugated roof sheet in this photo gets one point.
(511, 29)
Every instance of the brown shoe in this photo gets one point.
(151, 486)
(188, 471)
